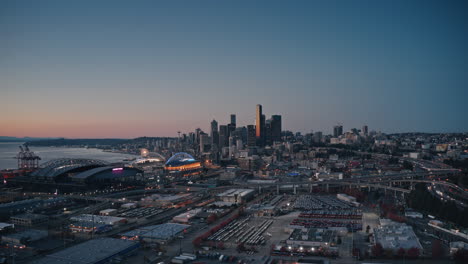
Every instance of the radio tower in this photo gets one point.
(27, 159)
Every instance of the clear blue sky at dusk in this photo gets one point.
(152, 68)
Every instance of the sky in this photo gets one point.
(123, 69)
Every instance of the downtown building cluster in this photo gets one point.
(223, 141)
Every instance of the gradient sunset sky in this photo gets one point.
(124, 69)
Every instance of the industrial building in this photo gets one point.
(312, 237)
(236, 196)
(99, 219)
(7, 209)
(156, 233)
(5, 227)
(88, 227)
(393, 235)
(186, 217)
(100, 250)
(29, 220)
(24, 237)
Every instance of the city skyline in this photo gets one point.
(152, 69)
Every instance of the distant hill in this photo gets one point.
(22, 139)
(91, 142)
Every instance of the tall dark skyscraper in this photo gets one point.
(365, 130)
(233, 120)
(214, 133)
(258, 122)
(276, 128)
(251, 136)
(223, 136)
(214, 127)
(268, 133)
(337, 131)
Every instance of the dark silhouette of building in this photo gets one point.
(251, 136)
(260, 126)
(214, 133)
(233, 120)
(268, 133)
(337, 131)
(276, 128)
(223, 136)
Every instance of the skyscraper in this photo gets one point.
(223, 136)
(214, 134)
(214, 127)
(365, 130)
(258, 122)
(268, 133)
(276, 128)
(233, 120)
(337, 131)
(251, 136)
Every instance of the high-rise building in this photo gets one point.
(268, 133)
(231, 129)
(233, 120)
(204, 142)
(317, 138)
(223, 136)
(276, 128)
(197, 134)
(214, 127)
(251, 136)
(365, 130)
(259, 123)
(337, 131)
(214, 134)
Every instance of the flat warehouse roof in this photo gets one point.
(92, 251)
(239, 192)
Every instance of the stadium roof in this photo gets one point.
(180, 158)
(91, 172)
(57, 167)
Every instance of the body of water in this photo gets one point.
(9, 150)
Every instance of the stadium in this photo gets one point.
(71, 174)
(183, 164)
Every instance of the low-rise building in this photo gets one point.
(312, 237)
(237, 196)
(186, 217)
(29, 219)
(156, 233)
(108, 212)
(24, 237)
(458, 245)
(100, 250)
(99, 219)
(395, 235)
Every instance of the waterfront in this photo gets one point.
(9, 150)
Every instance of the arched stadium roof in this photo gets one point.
(179, 158)
(57, 167)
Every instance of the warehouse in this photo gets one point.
(101, 250)
(29, 219)
(24, 237)
(395, 235)
(186, 217)
(312, 237)
(99, 219)
(156, 233)
(237, 196)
